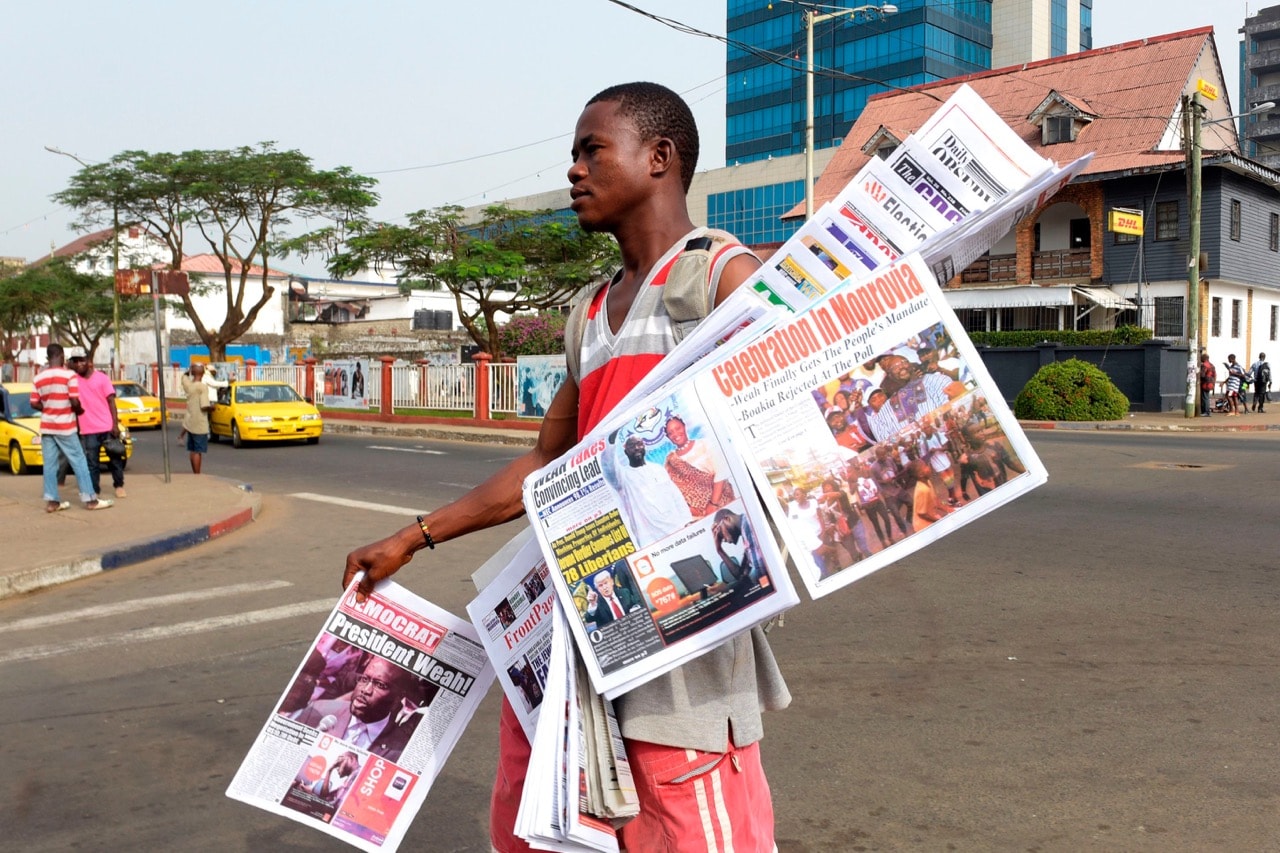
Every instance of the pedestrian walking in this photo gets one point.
(1261, 373)
(56, 396)
(1235, 378)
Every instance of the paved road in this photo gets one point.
(1089, 668)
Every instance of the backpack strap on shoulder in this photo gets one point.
(690, 289)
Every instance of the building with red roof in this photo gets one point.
(1061, 267)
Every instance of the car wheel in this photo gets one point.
(16, 463)
(236, 441)
(315, 439)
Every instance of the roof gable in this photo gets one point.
(1132, 90)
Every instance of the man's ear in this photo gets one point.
(663, 157)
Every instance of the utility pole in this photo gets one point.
(1191, 116)
(812, 17)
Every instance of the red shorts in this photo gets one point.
(689, 800)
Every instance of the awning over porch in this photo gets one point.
(1020, 296)
(1105, 298)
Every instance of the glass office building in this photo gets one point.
(853, 57)
(858, 55)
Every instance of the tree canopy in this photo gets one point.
(239, 203)
(77, 307)
(510, 261)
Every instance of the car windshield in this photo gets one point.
(266, 394)
(20, 406)
(130, 389)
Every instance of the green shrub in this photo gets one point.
(1119, 336)
(1071, 390)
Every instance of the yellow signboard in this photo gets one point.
(1124, 221)
(1207, 89)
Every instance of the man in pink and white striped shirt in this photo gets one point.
(56, 396)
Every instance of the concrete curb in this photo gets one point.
(495, 435)
(129, 553)
(1125, 426)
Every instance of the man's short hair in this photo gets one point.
(53, 351)
(658, 112)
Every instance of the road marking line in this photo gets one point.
(182, 629)
(407, 450)
(137, 604)
(348, 502)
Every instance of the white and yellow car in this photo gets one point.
(263, 411)
(136, 407)
(20, 431)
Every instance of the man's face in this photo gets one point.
(634, 448)
(610, 174)
(604, 585)
(878, 399)
(377, 691)
(80, 366)
(896, 366)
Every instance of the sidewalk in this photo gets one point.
(42, 549)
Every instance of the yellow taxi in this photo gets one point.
(263, 411)
(20, 430)
(136, 407)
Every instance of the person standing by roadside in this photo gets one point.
(693, 734)
(56, 396)
(1208, 379)
(1261, 373)
(196, 421)
(98, 422)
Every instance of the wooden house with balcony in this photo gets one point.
(1061, 268)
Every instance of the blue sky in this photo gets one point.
(384, 87)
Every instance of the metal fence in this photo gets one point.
(504, 389)
(448, 387)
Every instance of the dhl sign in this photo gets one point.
(1125, 221)
(1207, 89)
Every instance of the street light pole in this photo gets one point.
(115, 267)
(811, 18)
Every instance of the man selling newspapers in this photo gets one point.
(634, 152)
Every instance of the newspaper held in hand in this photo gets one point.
(637, 521)
(372, 713)
(514, 615)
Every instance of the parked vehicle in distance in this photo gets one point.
(20, 431)
(136, 407)
(260, 410)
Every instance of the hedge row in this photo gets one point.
(1120, 336)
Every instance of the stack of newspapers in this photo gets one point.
(834, 399)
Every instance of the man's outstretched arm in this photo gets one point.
(495, 501)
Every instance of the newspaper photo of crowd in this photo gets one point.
(913, 442)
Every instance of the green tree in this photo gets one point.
(239, 202)
(77, 307)
(510, 261)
